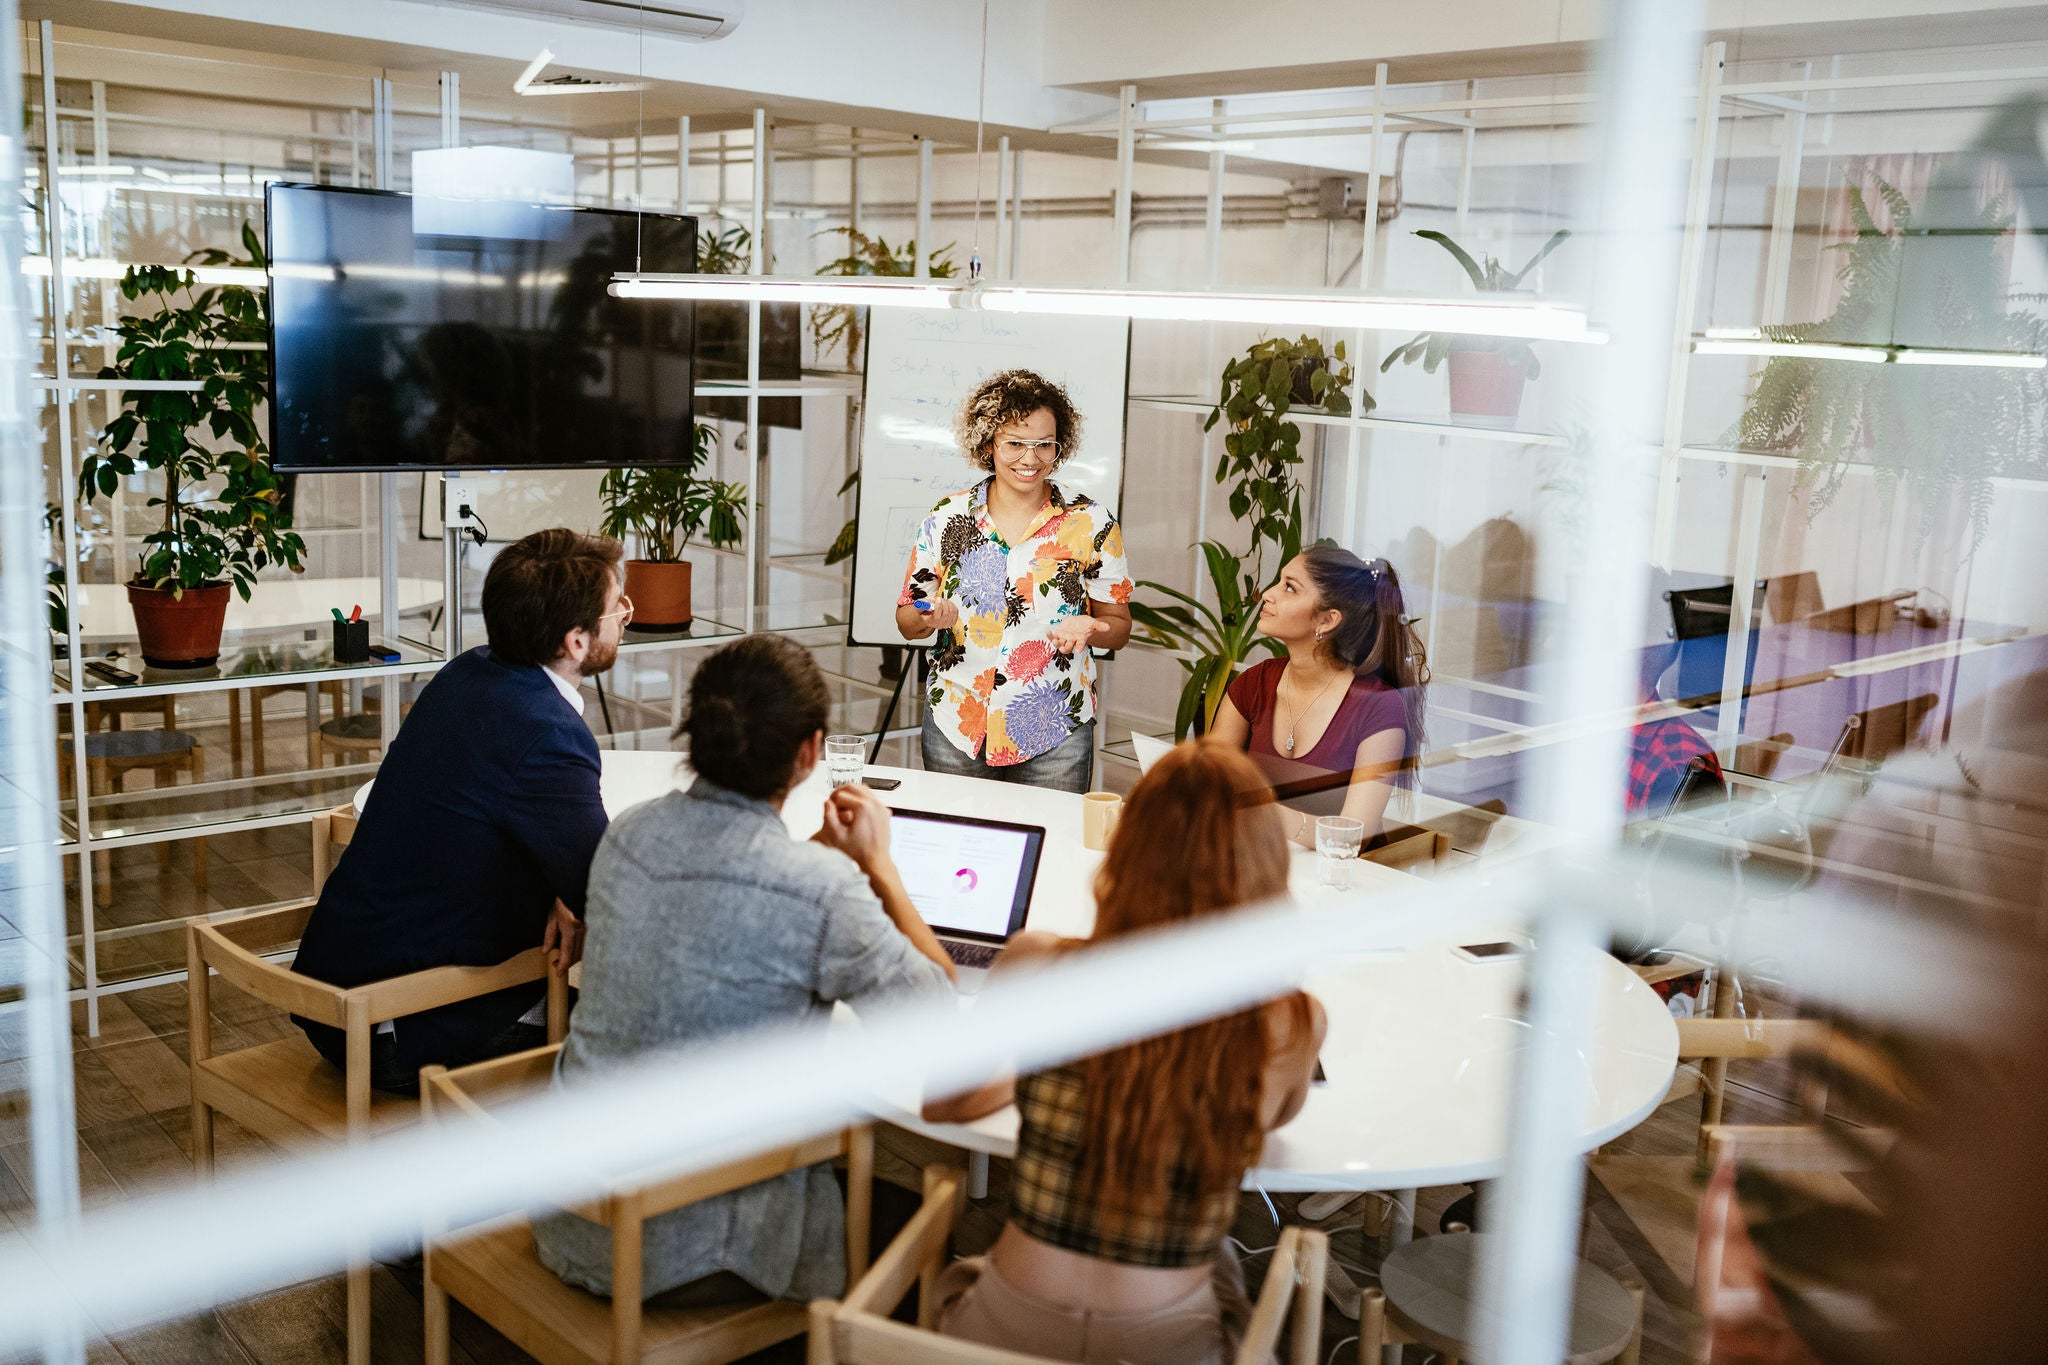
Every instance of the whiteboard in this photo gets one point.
(922, 364)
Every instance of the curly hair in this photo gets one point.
(1010, 396)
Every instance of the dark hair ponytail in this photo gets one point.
(1373, 635)
(753, 703)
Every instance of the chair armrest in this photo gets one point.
(922, 1240)
(660, 1194)
(395, 997)
(276, 986)
(265, 928)
(1748, 1037)
(1802, 1147)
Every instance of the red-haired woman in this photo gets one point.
(1128, 1164)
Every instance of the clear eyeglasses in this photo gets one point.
(1013, 450)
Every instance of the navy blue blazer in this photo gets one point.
(486, 810)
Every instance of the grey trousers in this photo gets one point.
(1068, 766)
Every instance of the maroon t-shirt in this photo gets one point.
(1317, 779)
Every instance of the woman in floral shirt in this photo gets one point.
(1019, 579)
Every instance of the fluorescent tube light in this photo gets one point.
(102, 269)
(2005, 360)
(1528, 320)
(1799, 350)
(1866, 354)
(881, 293)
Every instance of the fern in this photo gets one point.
(1934, 431)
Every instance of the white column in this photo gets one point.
(1002, 205)
(45, 963)
(923, 252)
(1126, 155)
(683, 164)
(1784, 211)
(1699, 197)
(757, 531)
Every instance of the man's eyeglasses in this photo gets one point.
(625, 609)
(1013, 450)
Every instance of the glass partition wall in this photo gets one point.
(1842, 570)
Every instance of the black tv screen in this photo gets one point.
(432, 334)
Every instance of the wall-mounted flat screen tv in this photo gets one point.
(432, 334)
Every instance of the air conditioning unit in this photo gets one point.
(702, 20)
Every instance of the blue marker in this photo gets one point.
(922, 606)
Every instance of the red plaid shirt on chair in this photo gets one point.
(1659, 753)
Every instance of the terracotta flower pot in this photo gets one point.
(179, 630)
(1487, 384)
(660, 593)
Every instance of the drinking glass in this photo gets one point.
(1338, 839)
(845, 756)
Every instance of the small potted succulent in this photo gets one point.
(667, 507)
(1487, 373)
(221, 506)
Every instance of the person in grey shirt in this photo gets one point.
(706, 920)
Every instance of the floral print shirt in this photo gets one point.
(997, 682)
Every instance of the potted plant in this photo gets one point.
(666, 507)
(1935, 429)
(1487, 373)
(1260, 454)
(222, 522)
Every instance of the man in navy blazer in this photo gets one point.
(476, 842)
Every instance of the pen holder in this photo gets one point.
(351, 642)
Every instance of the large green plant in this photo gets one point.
(669, 506)
(220, 502)
(1260, 460)
(1488, 276)
(1936, 429)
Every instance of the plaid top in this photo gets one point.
(1659, 753)
(1045, 1199)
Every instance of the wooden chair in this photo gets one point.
(332, 690)
(287, 1092)
(110, 755)
(360, 733)
(1429, 1287)
(1410, 847)
(1659, 1195)
(857, 1330)
(496, 1273)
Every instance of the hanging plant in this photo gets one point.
(1936, 430)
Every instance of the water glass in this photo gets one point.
(845, 756)
(1338, 839)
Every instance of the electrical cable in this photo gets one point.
(1332, 1357)
(980, 114)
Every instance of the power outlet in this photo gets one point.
(459, 502)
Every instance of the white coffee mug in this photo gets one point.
(1099, 812)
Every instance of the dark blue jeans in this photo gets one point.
(1067, 766)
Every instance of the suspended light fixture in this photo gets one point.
(1739, 341)
(1526, 320)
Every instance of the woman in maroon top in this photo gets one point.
(1332, 725)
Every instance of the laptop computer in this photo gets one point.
(1149, 750)
(970, 878)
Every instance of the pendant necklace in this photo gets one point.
(1289, 750)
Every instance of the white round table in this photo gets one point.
(276, 605)
(1421, 1048)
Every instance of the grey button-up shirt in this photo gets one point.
(707, 919)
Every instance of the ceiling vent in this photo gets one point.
(702, 20)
